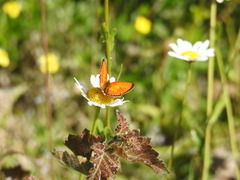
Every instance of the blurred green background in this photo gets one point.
(75, 37)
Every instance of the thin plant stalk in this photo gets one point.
(81, 176)
(107, 53)
(230, 117)
(212, 119)
(178, 126)
(211, 59)
(108, 118)
(207, 144)
(107, 35)
(47, 83)
(94, 126)
(207, 151)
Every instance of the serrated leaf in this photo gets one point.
(105, 163)
(123, 126)
(79, 163)
(81, 144)
(112, 35)
(135, 147)
(109, 36)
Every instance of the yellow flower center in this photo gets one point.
(191, 54)
(96, 95)
(143, 25)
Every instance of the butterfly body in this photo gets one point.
(116, 88)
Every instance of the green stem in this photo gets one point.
(211, 59)
(207, 148)
(108, 119)
(107, 53)
(107, 36)
(97, 112)
(178, 126)
(81, 176)
(207, 151)
(106, 12)
(231, 123)
(220, 105)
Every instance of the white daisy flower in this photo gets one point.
(184, 50)
(95, 95)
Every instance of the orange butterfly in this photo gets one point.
(117, 88)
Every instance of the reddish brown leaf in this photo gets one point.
(81, 144)
(105, 163)
(123, 126)
(78, 163)
(135, 147)
(15, 172)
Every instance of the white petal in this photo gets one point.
(175, 48)
(186, 58)
(95, 81)
(91, 103)
(103, 106)
(197, 45)
(180, 42)
(112, 79)
(80, 85)
(203, 47)
(83, 89)
(204, 58)
(171, 53)
(209, 52)
(117, 102)
(187, 46)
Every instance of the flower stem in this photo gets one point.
(107, 36)
(94, 126)
(81, 176)
(211, 59)
(47, 83)
(178, 126)
(231, 123)
(108, 119)
(207, 149)
(107, 53)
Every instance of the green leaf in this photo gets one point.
(108, 133)
(100, 126)
(109, 36)
(112, 35)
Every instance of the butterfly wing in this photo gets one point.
(118, 88)
(103, 75)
